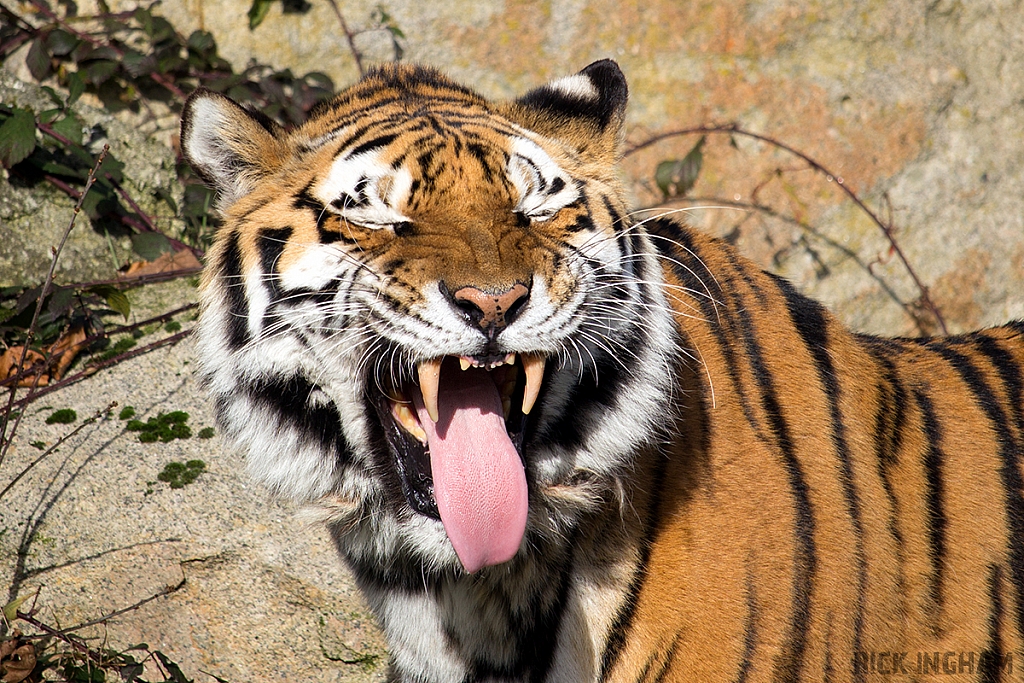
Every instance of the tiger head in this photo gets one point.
(429, 313)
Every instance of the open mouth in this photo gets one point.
(457, 436)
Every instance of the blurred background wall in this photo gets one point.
(917, 106)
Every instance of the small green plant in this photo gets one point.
(179, 475)
(165, 427)
(126, 413)
(117, 348)
(64, 416)
(206, 433)
(172, 326)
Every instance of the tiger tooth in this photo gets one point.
(429, 372)
(464, 362)
(405, 417)
(533, 364)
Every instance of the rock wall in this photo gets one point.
(915, 106)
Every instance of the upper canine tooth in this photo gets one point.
(429, 372)
(465, 363)
(533, 364)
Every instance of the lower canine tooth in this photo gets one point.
(429, 372)
(533, 364)
(408, 420)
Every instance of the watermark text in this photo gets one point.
(949, 663)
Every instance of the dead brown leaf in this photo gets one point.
(165, 263)
(61, 354)
(34, 362)
(65, 349)
(17, 659)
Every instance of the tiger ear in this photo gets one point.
(229, 146)
(585, 110)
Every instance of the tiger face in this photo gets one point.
(425, 312)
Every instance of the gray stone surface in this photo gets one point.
(92, 530)
(34, 217)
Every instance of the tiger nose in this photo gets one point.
(492, 311)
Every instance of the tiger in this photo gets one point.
(557, 441)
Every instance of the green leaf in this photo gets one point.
(17, 137)
(162, 29)
(136, 63)
(52, 94)
(258, 12)
(38, 59)
(319, 80)
(115, 298)
(101, 52)
(59, 169)
(149, 245)
(61, 43)
(49, 115)
(70, 127)
(99, 201)
(11, 608)
(202, 43)
(60, 300)
(76, 86)
(176, 675)
(100, 70)
(676, 177)
(118, 300)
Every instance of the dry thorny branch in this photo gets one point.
(886, 226)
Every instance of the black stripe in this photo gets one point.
(583, 222)
(616, 217)
(739, 324)
(289, 398)
(811, 324)
(595, 392)
(234, 288)
(749, 629)
(667, 664)
(382, 141)
(790, 663)
(538, 637)
(1009, 371)
(737, 329)
(989, 669)
(934, 500)
(304, 199)
(890, 423)
(627, 611)
(482, 153)
(686, 262)
(271, 243)
(1009, 471)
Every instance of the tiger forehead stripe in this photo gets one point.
(398, 117)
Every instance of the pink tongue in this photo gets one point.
(479, 481)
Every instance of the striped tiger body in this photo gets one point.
(555, 444)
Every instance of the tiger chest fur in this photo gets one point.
(555, 443)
